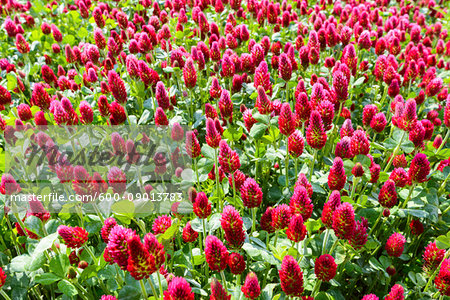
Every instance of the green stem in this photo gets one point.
(119, 277)
(312, 164)
(253, 219)
(316, 288)
(376, 222)
(204, 231)
(196, 173)
(384, 96)
(192, 254)
(276, 237)
(443, 185)
(152, 286)
(325, 240)
(224, 281)
(238, 284)
(4, 294)
(286, 163)
(14, 236)
(98, 212)
(234, 187)
(204, 236)
(83, 291)
(217, 179)
(339, 113)
(201, 241)
(355, 184)
(94, 259)
(257, 159)
(342, 265)
(409, 196)
(446, 211)
(144, 291)
(287, 92)
(334, 246)
(160, 285)
(191, 107)
(395, 152)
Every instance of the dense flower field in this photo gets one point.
(317, 135)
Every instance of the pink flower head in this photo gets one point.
(388, 195)
(263, 103)
(228, 159)
(179, 289)
(251, 288)
(296, 231)
(74, 237)
(161, 117)
(162, 96)
(117, 180)
(226, 106)
(190, 74)
(315, 133)
(232, 224)
(189, 235)
(9, 185)
(378, 122)
(251, 193)
(216, 253)
(395, 244)
(217, 290)
(202, 206)
(325, 268)
(432, 257)
(286, 121)
(285, 67)
(359, 143)
(344, 224)
(340, 86)
(334, 201)
(442, 280)
(396, 293)
(108, 225)
(118, 245)
(177, 132)
(215, 90)
(359, 239)
(86, 112)
(155, 248)
(419, 168)
(296, 144)
(192, 145)
(117, 87)
(140, 263)
(300, 203)
(161, 224)
(266, 220)
(337, 177)
(281, 216)
(236, 262)
(40, 97)
(291, 277)
(213, 137)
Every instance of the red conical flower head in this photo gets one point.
(325, 268)
(291, 277)
(395, 244)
